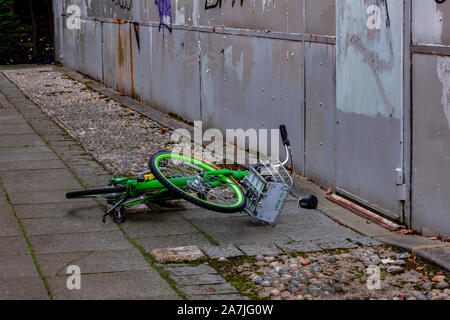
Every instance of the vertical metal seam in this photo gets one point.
(102, 48)
(305, 173)
(200, 73)
(408, 115)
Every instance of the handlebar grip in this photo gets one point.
(284, 135)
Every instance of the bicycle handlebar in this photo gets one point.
(284, 135)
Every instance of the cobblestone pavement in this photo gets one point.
(40, 162)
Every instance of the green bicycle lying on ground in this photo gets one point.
(261, 191)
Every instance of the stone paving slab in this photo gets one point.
(155, 229)
(203, 214)
(239, 224)
(93, 169)
(294, 215)
(439, 256)
(51, 138)
(260, 249)
(149, 216)
(46, 129)
(204, 279)
(410, 241)
(64, 225)
(183, 270)
(42, 197)
(323, 233)
(52, 265)
(294, 247)
(208, 289)
(30, 288)
(15, 129)
(131, 285)
(38, 180)
(11, 118)
(93, 262)
(13, 246)
(20, 266)
(225, 250)
(84, 208)
(334, 244)
(25, 140)
(9, 225)
(27, 154)
(175, 255)
(250, 236)
(80, 242)
(31, 165)
(190, 239)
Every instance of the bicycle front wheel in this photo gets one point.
(185, 176)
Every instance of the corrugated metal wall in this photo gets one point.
(259, 63)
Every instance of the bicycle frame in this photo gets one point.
(151, 190)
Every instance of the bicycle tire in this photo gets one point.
(201, 203)
(95, 192)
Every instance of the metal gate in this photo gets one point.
(369, 73)
(430, 207)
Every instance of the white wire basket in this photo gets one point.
(268, 187)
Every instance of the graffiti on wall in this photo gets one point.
(123, 4)
(375, 47)
(218, 3)
(375, 11)
(165, 14)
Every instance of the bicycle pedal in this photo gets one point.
(119, 220)
(118, 216)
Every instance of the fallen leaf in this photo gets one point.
(297, 293)
(439, 279)
(304, 261)
(210, 290)
(405, 231)
(419, 268)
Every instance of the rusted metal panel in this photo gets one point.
(116, 9)
(175, 79)
(58, 21)
(90, 49)
(320, 17)
(320, 121)
(431, 145)
(253, 83)
(370, 102)
(431, 22)
(115, 66)
(270, 15)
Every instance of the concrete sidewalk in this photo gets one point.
(437, 252)
(44, 233)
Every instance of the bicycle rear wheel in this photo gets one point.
(216, 193)
(107, 192)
